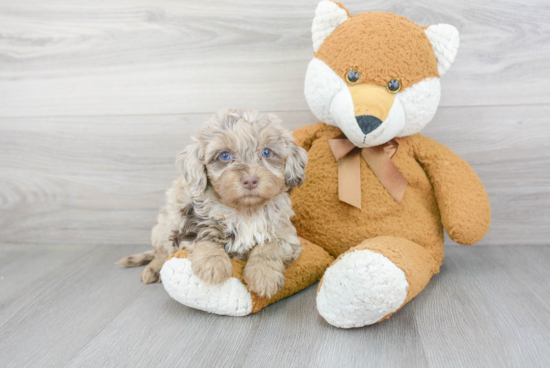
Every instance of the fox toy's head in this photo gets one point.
(376, 75)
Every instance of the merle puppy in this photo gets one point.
(232, 202)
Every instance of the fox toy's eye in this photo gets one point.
(225, 156)
(352, 76)
(394, 86)
(266, 152)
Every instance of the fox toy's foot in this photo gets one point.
(360, 289)
(232, 297)
(227, 298)
(373, 280)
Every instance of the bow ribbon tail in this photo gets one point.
(349, 178)
(385, 170)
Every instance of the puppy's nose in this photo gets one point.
(368, 123)
(250, 182)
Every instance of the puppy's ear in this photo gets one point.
(295, 165)
(190, 162)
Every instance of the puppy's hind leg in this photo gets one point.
(163, 246)
(151, 273)
(137, 259)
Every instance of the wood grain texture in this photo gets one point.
(100, 180)
(487, 308)
(65, 308)
(98, 97)
(483, 312)
(170, 57)
(95, 180)
(23, 266)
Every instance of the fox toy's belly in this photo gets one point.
(336, 226)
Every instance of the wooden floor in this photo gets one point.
(72, 306)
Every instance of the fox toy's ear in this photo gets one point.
(445, 41)
(328, 16)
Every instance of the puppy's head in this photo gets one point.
(245, 156)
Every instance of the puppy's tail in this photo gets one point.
(137, 259)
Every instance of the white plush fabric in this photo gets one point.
(420, 102)
(320, 87)
(360, 289)
(393, 124)
(343, 112)
(328, 16)
(229, 298)
(445, 41)
(330, 101)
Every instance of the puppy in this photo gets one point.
(232, 202)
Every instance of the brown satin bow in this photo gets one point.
(379, 160)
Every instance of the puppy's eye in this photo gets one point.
(225, 156)
(394, 86)
(352, 76)
(266, 152)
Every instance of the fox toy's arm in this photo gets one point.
(461, 197)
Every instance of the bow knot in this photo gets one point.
(379, 160)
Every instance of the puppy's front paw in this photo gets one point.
(212, 269)
(262, 280)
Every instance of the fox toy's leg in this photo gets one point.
(373, 280)
(232, 296)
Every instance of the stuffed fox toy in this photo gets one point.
(378, 194)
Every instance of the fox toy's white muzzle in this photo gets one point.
(360, 117)
(366, 130)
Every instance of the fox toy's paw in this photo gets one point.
(360, 289)
(371, 281)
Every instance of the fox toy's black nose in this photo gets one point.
(368, 123)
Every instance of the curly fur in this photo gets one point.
(214, 217)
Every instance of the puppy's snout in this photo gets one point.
(250, 182)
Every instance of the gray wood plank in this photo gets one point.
(167, 334)
(158, 57)
(65, 308)
(293, 334)
(22, 266)
(100, 180)
(488, 307)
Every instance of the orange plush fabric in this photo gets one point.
(382, 47)
(305, 271)
(442, 190)
(417, 264)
